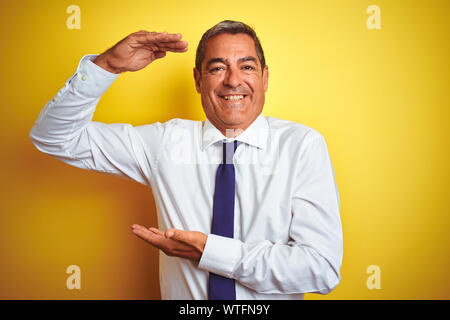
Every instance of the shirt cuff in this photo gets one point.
(90, 79)
(220, 255)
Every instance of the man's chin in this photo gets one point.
(233, 121)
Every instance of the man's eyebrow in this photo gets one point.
(214, 60)
(247, 58)
(222, 60)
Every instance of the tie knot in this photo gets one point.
(229, 148)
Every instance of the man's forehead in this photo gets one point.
(224, 46)
(230, 42)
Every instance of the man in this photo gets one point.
(247, 205)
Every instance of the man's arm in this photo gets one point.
(64, 128)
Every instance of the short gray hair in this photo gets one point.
(230, 27)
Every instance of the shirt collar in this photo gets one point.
(256, 134)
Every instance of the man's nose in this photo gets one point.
(232, 78)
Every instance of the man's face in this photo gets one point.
(232, 84)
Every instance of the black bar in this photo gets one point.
(240, 309)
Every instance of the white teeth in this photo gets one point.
(233, 97)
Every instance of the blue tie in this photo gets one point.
(221, 288)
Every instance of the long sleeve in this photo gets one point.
(311, 260)
(64, 129)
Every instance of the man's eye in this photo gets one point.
(249, 68)
(215, 69)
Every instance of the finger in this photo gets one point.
(165, 46)
(145, 38)
(179, 235)
(156, 231)
(158, 41)
(147, 235)
(140, 231)
(174, 45)
(168, 50)
(160, 54)
(156, 48)
(168, 37)
(180, 47)
(136, 226)
(141, 32)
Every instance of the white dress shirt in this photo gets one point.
(287, 228)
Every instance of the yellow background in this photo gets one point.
(380, 98)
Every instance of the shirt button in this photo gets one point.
(84, 77)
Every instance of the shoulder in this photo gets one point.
(287, 130)
(170, 125)
(181, 123)
(296, 141)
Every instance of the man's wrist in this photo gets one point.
(90, 79)
(103, 63)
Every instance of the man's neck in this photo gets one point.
(232, 131)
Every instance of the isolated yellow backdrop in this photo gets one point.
(380, 98)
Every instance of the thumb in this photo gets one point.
(160, 54)
(179, 235)
(170, 233)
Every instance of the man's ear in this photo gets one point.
(197, 78)
(266, 77)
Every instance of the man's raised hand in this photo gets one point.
(137, 50)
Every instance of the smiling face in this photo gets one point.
(232, 84)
